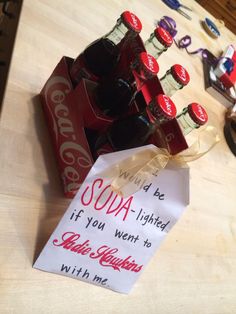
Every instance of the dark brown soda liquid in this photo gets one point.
(130, 132)
(114, 96)
(101, 57)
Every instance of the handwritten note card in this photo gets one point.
(108, 240)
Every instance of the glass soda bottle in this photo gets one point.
(114, 96)
(159, 41)
(134, 130)
(192, 117)
(101, 56)
(175, 78)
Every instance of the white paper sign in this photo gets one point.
(107, 240)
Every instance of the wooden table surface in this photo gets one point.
(195, 269)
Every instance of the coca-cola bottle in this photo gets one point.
(114, 96)
(101, 56)
(134, 130)
(175, 78)
(159, 41)
(192, 117)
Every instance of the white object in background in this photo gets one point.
(220, 70)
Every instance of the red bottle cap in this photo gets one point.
(149, 64)
(180, 74)
(131, 21)
(165, 108)
(163, 36)
(197, 113)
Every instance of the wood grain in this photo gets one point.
(195, 269)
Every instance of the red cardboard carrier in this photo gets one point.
(72, 114)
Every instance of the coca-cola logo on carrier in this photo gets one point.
(72, 154)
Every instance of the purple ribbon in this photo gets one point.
(206, 54)
(169, 25)
(186, 41)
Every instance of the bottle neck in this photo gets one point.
(150, 120)
(154, 47)
(118, 33)
(186, 123)
(155, 117)
(169, 84)
(137, 80)
(140, 74)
